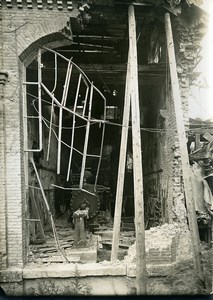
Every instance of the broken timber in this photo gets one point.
(58, 247)
(121, 168)
(183, 145)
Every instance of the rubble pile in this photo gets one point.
(160, 242)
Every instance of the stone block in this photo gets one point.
(11, 275)
(67, 270)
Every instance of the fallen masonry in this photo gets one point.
(169, 270)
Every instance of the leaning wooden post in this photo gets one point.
(58, 247)
(183, 145)
(121, 168)
(137, 159)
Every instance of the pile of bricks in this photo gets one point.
(160, 245)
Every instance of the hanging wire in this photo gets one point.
(95, 121)
(55, 125)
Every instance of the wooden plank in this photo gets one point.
(183, 145)
(197, 141)
(109, 245)
(106, 68)
(58, 247)
(38, 212)
(121, 167)
(137, 160)
(208, 136)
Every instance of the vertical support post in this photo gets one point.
(121, 168)
(137, 159)
(183, 145)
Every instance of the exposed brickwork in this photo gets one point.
(23, 31)
(167, 162)
(187, 44)
(188, 56)
(25, 27)
(161, 245)
(176, 199)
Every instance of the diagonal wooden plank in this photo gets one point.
(121, 167)
(137, 159)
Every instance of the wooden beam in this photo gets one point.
(58, 247)
(183, 145)
(197, 141)
(38, 215)
(137, 159)
(108, 68)
(208, 136)
(121, 167)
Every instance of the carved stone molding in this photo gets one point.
(39, 4)
(3, 77)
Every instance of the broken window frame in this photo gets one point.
(90, 88)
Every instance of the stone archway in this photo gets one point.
(51, 33)
(18, 50)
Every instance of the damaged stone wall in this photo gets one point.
(188, 55)
(169, 269)
(162, 148)
(163, 186)
(171, 164)
(151, 181)
(21, 27)
(169, 259)
(187, 38)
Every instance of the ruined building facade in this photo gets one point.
(96, 36)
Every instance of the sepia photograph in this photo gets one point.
(106, 148)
